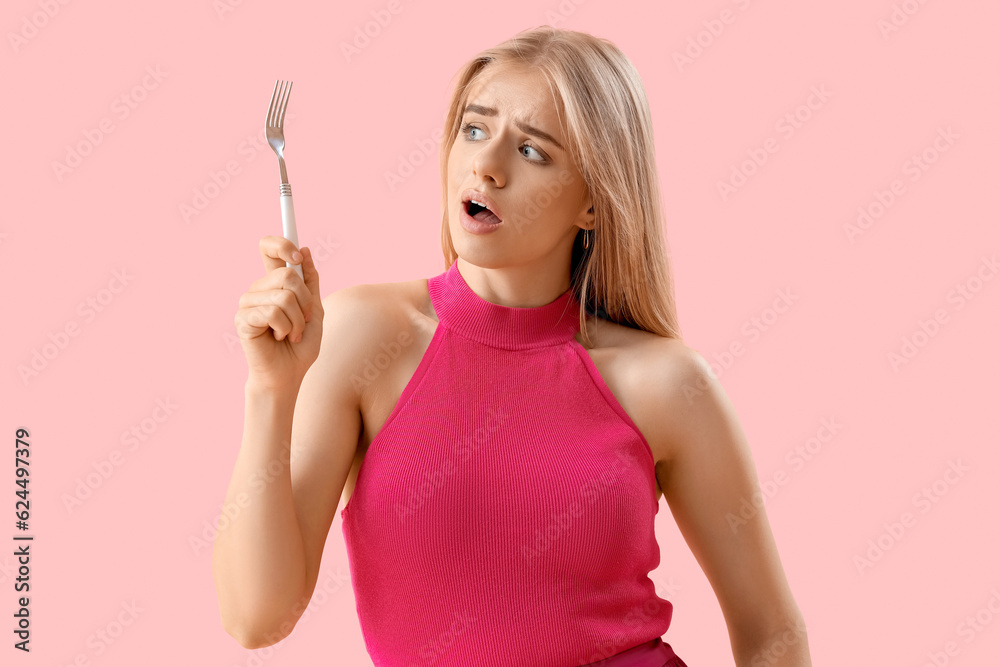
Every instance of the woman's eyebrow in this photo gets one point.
(524, 127)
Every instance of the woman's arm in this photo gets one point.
(706, 472)
(258, 560)
(290, 471)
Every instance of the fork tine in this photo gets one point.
(272, 107)
(284, 105)
(279, 99)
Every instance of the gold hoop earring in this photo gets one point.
(586, 239)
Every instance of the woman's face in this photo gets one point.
(502, 152)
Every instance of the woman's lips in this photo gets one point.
(474, 226)
(473, 194)
(482, 214)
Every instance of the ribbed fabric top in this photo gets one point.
(503, 515)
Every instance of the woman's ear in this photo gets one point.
(588, 218)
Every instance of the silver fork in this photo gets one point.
(274, 130)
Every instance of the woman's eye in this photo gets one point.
(467, 130)
(534, 149)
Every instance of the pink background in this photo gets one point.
(165, 332)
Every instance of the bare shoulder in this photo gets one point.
(372, 306)
(641, 354)
(681, 400)
(655, 379)
(368, 317)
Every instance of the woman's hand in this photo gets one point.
(280, 318)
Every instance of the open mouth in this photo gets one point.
(481, 213)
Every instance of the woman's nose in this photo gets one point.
(489, 163)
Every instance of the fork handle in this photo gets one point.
(288, 222)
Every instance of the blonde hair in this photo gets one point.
(604, 113)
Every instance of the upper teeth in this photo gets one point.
(478, 203)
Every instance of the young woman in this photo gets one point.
(506, 428)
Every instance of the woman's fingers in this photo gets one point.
(285, 278)
(276, 250)
(279, 309)
(254, 320)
